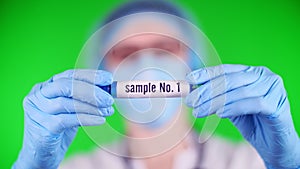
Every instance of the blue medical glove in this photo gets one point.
(255, 100)
(54, 110)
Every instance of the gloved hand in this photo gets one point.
(53, 112)
(255, 100)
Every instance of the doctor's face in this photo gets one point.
(158, 43)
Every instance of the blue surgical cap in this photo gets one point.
(138, 6)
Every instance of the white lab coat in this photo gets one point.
(217, 154)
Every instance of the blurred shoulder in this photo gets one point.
(222, 153)
(97, 159)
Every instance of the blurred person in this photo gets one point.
(256, 103)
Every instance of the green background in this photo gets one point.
(41, 38)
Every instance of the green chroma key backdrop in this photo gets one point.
(41, 38)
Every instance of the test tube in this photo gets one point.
(148, 89)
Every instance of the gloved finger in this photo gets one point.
(219, 86)
(244, 124)
(97, 77)
(61, 122)
(35, 88)
(77, 90)
(204, 75)
(209, 107)
(267, 104)
(64, 105)
(247, 106)
(57, 123)
(212, 104)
